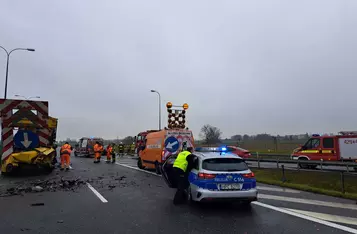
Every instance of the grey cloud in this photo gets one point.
(244, 66)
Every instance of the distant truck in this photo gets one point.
(85, 146)
(140, 140)
(341, 147)
(159, 145)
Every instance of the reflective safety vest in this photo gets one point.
(181, 161)
(66, 149)
(109, 150)
(97, 148)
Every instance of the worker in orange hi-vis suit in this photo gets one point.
(98, 149)
(66, 150)
(110, 155)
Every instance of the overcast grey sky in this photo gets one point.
(272, 66)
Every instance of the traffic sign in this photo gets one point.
(172, 144)
(26, 139)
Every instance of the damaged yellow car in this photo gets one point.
(42, 158)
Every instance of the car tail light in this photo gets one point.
(248, 175)
(205, 176)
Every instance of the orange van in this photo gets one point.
(158, 146)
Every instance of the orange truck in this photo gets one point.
(162, 144)
(159, 145)
(341, 147)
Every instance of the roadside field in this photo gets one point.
(313, 181)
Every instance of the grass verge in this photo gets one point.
(316, 182)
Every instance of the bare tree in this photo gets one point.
(211, 134)
(128, 140)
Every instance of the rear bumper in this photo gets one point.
(200, 194)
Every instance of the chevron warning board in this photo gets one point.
(23, 114)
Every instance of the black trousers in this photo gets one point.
(181, 179)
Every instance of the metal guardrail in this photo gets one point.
(307, 162)
(343, 174)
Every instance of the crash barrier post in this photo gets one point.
(342, 182)
(258, 160)
(283, 177)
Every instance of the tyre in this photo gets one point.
(303, 166)
(246, 204)
(9, 168)
(140, 163)
(157, 168)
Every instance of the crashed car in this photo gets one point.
(40, 157)
(218, 175)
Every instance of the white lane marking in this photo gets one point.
(277, 189)
(327, 217)
(138, 169)
(306, 201)
(97, 193)
(337, 226)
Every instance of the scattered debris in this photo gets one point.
(38, 204)
(37, 189)
(58, 183)
(37, 186)
(60, 221)
(120, 178)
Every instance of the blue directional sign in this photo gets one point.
(172, 144)
(26, 139)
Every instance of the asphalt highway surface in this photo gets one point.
(120, 198)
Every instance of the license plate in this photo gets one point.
(230, 186)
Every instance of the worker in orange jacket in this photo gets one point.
(110, 154)
(65, 152)
(98, 149)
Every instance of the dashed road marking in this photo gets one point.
(97, 193)
(327, 217)
(316, 220)
(306, 201)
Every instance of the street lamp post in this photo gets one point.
(154, 91)
(27, 98)
(7, 63)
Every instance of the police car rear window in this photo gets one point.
(224, 164)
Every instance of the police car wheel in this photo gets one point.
(246, 203)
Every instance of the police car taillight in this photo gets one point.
(205, 176)
(248, 175)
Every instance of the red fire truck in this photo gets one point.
(341, 147)
(140, 140)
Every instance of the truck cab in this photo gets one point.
(85, 146)
(316, 148)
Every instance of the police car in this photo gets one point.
(218, 175)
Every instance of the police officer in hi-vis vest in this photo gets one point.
(182, 167)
